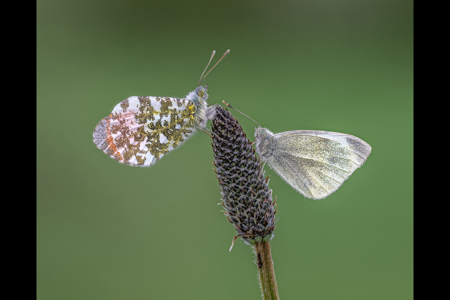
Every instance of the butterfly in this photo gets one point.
(141, 130)
(315, 163)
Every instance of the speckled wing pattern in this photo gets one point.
(141, 130)
(316, 163)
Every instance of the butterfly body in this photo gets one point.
(141, 130)
(313, 162)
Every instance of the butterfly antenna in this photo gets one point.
(227, 104)
(212, 55)
(214, 52)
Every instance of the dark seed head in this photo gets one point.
(246, 196)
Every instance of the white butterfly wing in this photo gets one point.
(316, 163)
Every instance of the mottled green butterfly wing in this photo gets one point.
(141, 130)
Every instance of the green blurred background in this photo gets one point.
(110, 231)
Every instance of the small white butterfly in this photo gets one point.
(141, 130)
(315, 163)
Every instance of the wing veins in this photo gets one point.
(293, 170)
(321, 135)
(322, 161)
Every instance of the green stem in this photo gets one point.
(266, 271)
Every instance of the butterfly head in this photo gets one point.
(202, 92)
(199, 97)
(264, 143)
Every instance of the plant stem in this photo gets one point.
(266, 271)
